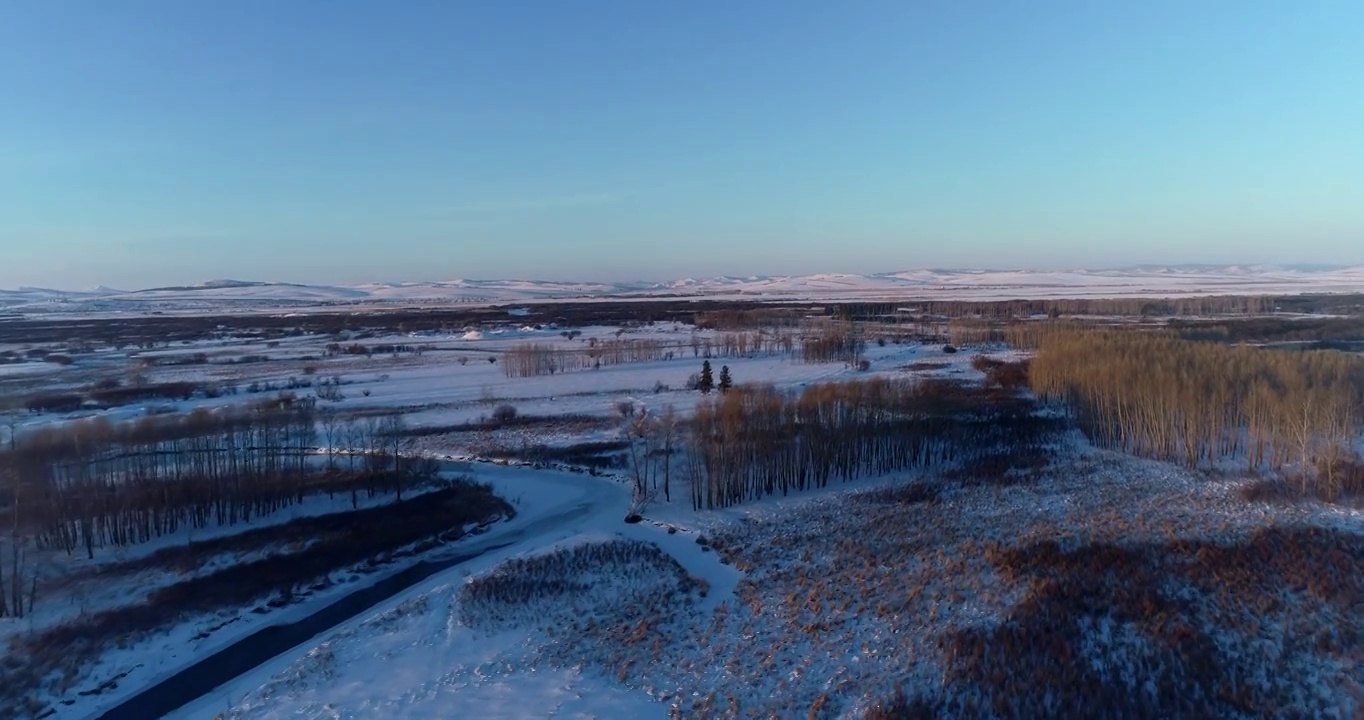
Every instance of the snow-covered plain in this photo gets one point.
(451, 381)
(843, 598)
(1143, 281)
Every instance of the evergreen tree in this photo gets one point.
(707, 379)
(726, 382)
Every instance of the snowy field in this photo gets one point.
(824, 604)
(450, 380)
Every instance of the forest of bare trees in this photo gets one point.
(536, 359)
(834, 342)
(1200, 404)
(757, 441)
(90, 484)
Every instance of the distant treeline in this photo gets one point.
(1108, 307)
(1202, 403)
(1273, 330)
(534, 359)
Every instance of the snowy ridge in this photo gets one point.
(1147, 280)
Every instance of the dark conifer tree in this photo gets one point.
(726, 382)
(707, 382)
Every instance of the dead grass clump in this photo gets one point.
(924, 366)
(623, 580)
(910, 493)
(1002, 374)
(1340, 483)
(903, 707)
(1012, 467)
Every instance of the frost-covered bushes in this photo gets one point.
(593, 583)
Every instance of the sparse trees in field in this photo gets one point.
(834, 342)
(654, 440)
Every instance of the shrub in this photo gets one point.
(504, 414)
(53, 402)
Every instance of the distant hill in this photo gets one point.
(1145, 280)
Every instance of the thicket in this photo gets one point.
(1200, 404)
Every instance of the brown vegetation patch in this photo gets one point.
(1186, 629)
(1349, 490)
(910, 493)
(1010, 467)
(924, 366)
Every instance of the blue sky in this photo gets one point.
(146, 143)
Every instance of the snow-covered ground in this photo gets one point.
(550, 506)
(439, 667)
(826, 602)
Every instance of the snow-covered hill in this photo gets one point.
(1183, 280)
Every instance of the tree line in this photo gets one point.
(536, 359)
(824, 343)
(1200, 404)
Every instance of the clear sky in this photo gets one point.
(159, 142)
